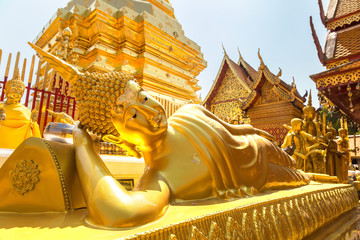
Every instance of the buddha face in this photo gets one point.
(13, 92)
(309, 114)
(343, 133)
(138, 117)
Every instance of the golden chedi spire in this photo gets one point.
(262, 64)
(164, 61)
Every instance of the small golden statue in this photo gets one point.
(17, 122)
(309, 125)
(298, 139)
(192, 155)
(343, 143)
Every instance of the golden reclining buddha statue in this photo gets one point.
(191, 155)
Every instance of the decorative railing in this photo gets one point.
(49, 91)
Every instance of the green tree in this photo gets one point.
(334, 117)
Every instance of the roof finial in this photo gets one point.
(319, 50)
(224, 49)
(239, 53)
(293, 85)
(280, 73)
(322, 13)
(261, 60)
(309, 100)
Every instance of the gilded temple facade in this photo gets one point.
(339, 85)
(240, 94)
(138, 37)
(230, 86)
(272, 102)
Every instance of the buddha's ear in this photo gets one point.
(112, 139)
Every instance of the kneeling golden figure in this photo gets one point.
(191, 155)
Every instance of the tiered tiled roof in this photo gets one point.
(343, 22)
(280, 87)
(340, 83)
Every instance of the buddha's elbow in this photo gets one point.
(112, 206)
(112, 215)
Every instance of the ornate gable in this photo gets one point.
(230, 89)
(270, 94)
(225, 103)
(272, 102)
(268, 88)
(230, 86)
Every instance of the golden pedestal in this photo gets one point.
(285, 214)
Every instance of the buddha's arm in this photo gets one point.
(287, 141)
(108, 203)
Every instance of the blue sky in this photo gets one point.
(280, 28)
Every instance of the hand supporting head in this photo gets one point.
(113, 103)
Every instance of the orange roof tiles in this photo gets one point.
(345, 7)
(348, 43)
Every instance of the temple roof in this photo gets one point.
(347, 42)
(343, 21)
(281, 88)
(342, 8)
(341, 13)
(242, 71)
(334, 85)
(249, 69)
(347, 67)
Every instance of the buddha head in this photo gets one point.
(330, 128)
(113, 105)
(296, 124)
(343, 133)
(14, 89)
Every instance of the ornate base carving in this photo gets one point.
(285, 214)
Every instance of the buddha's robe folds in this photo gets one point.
(237, 155)
(17, 126)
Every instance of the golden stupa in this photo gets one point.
(135, 36)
